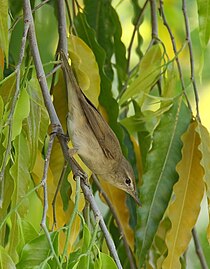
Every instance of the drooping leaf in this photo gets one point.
(204, 148)
(160, 174)
(204, 21)
(148, 75)
(4, 35)
(188, 193)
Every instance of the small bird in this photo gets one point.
(93, 140)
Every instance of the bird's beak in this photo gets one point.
(136, 199)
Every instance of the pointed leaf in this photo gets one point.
(188, 191)
(160, 174)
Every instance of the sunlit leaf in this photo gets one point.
(160, 174)
(148, 74)
(204, 147)
(204, 21)
(86, 68)
(4, 36)
(104, 261)
(5, 260)
(188, 193)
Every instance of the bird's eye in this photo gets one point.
(128, 181)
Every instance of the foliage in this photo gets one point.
(132, 61)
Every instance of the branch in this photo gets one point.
(10, 117)
(89, 196)
(127, 248)
(153, 6)
(62, 27)
(199, 250)
(45, 207)
(188, 38)
(175, 52)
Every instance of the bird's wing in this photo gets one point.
(103, 133)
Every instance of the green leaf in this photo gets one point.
(36, 252)
(160, 174)
(148, 75)
(21, 112)
(204, 21)
(104, 261)
(4, 37)
(21, 177)
(5, 260)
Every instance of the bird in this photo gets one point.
(93, 139)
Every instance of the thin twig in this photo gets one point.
(136, 27)
(114, 213)
(45, 207)
(10, 117)
(44, 179)
(54, 70)
(175, 52)
(199, 250)
(89, 196)
(192, 69)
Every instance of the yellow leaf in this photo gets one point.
(86, 68)
(204, 147)
(118, 199)
(188, 192)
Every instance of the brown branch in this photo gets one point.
(188, 39)
(127, 248)
(153, 6)
(10, 117)
(199, 250)
(89, 196)
(175, 52)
